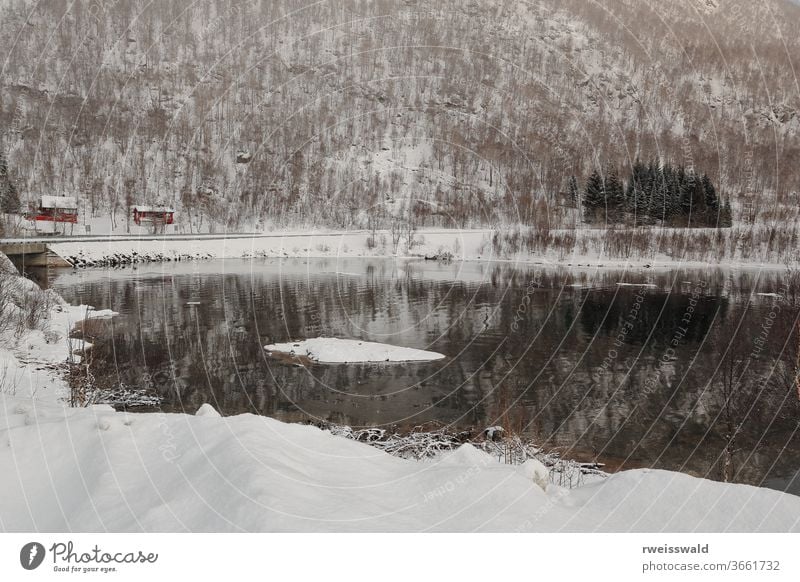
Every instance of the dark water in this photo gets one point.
(662, 375)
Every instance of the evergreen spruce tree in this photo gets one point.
(636, 201)
(699, 217)
(710, 192)
(614, 195)
(632, 189)
(725, 216)
(658, 199)
(673, 209)
(572, 192)
(686, 188)
(594, 199)
(711, 201)
(650, 186)
(671, 194)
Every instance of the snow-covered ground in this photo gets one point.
(31, 360)
(456, 244)
(473, 244)
(93, 469)
(337, 351)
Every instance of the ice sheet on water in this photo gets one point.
(340, 351)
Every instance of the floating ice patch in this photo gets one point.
(341, 351)
(101, 314)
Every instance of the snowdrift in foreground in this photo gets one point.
(94, 469)
(339, 351)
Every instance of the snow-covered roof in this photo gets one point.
(59, 202)
(143, 208)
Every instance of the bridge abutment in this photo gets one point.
(25, 254)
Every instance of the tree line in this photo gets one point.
(653, 194)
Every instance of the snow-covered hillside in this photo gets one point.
(344, 113)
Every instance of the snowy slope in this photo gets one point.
(249, 113)
(98, 470)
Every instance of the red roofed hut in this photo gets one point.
(54, 210)
(156, 216)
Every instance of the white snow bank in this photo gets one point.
(536, 472)
(31, 359)
(31, 364)
(31, 380)
(207, 410)
(93, 469)
(339, 351)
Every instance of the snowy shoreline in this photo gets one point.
(436, 244)
(33, 359)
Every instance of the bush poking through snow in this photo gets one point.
(23, 305)
(416, 445)
(541, 466)
(84, 391)
(87, 388)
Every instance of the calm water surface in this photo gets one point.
(633, 368)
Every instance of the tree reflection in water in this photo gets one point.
(694, 371)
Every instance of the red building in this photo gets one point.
(56, 209)
(156, 216)
(153, 214)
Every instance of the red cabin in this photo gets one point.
(156, 217)
(153, 215)
(56, 209)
